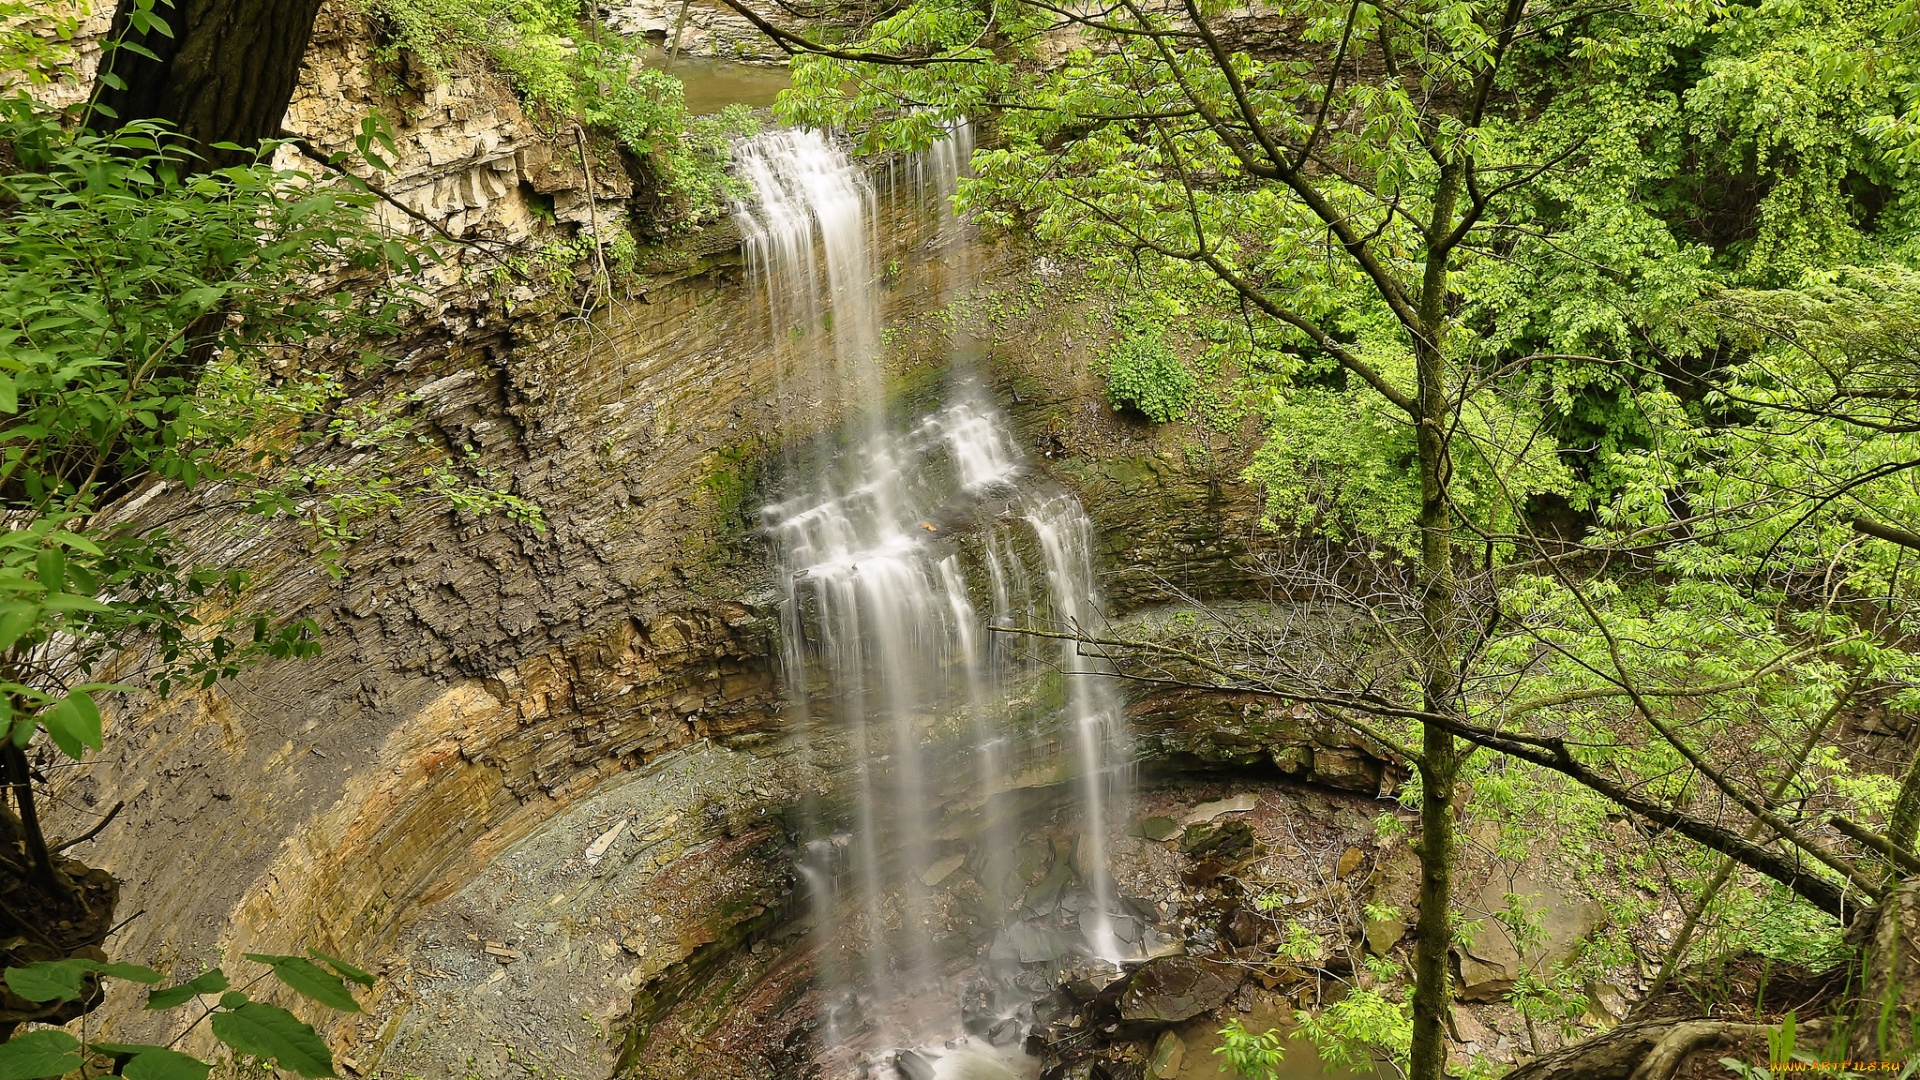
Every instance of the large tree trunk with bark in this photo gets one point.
(225, 74)
(1886, 1014)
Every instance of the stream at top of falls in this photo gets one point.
(963, 872)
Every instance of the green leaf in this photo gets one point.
(51, 980)
(9, 399)
(75, 541)
(363, 978)
(51, 564)
(272, 1033)
(309, 981)
(208, 982)
(131, 973)
(67, 728)
(36, 1054)
(89, 713)
(156, 1062)
(73, 602)
(16, 619)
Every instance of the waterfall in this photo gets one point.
(901, 548)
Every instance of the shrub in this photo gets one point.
(1143, 374)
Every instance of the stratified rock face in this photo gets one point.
(539, 958)
(706, 28)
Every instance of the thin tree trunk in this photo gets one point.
(225, 74)
(1439, 753)
(1904, 822)
(20, 779)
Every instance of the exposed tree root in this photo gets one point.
(1688, 1036)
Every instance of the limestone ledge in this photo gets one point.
(1234, 730)
(706, 29)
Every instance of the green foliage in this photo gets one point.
(270, 1033)
(145, 1061)
(250, 1028)
(34, 1054)
(36, 42)
(1361, 1027)
(303, 975)
(211, 981)
(1297, 942)
(66, 980)
(1339, 463)
(1143, 374)
(1253, 1055)
(145, 322)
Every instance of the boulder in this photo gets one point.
(1168, 1053)
(1383, 934)
(1207, 811)
(1350, 860)
(1030, 944)
(1218, 843)
(911, 1066)
(1157, 828)
(1491, 961)
(1240, 927)
(1177, 988)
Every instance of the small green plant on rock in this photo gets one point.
(1254, 1055)
(1363, 1027)
(569, 71)
(1143, 374)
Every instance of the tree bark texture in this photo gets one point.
(1439, 752)
(1904, 824)
(224, 76)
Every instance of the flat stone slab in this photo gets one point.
(1207, 811)
(1177, 988)
(1491, 962)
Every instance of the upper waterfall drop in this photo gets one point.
(907, 556)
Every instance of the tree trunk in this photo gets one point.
(1439, 754)
(1904, 823)
(224, 76)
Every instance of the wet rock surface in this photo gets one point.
(1176, 988)
(538, 960)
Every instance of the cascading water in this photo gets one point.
(900, 550)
